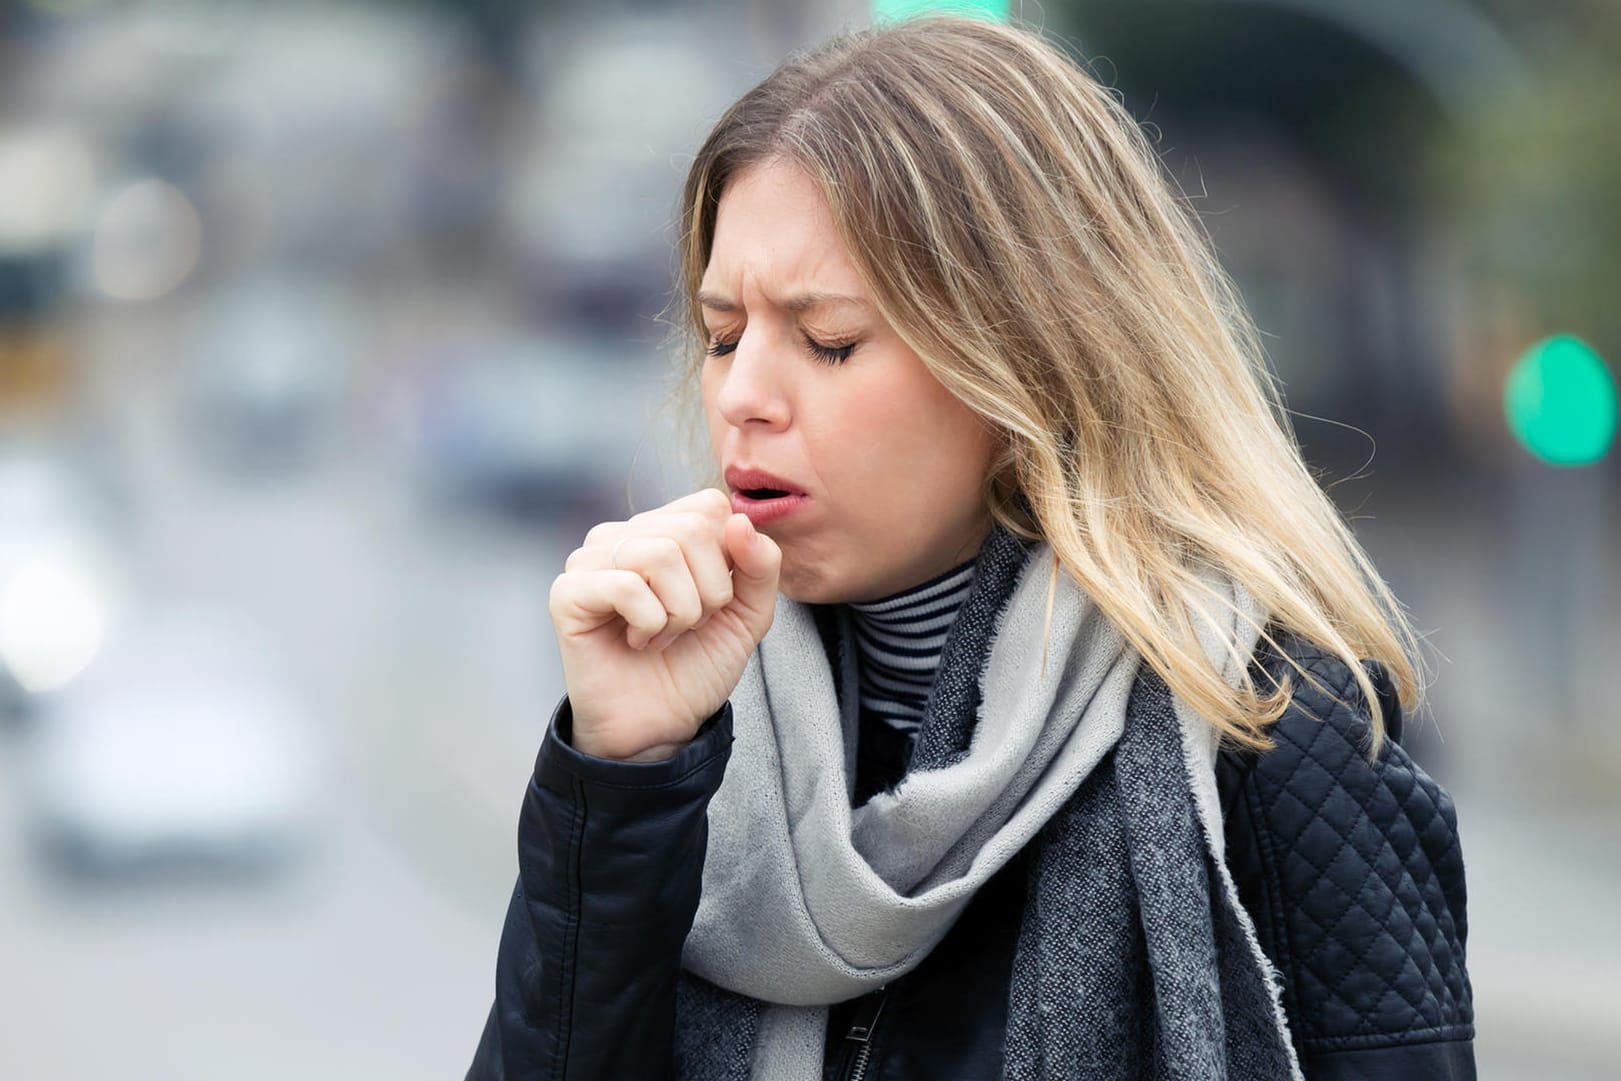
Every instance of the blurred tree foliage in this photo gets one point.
(1535, 175)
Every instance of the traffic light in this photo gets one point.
(1560, 402)
(996, 10)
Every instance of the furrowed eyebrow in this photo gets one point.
(798, 303)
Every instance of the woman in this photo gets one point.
(1068, 752)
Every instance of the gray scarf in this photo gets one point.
(1135, 958)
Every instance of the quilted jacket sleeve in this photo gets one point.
(610, 862)
(1354, 876)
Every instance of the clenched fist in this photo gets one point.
(656, 618)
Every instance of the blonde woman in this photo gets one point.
(1016, 705)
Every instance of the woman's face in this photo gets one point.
(832, 435)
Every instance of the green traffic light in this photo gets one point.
(996, 10)
(1560, 402)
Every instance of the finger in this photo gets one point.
(696, 521)
(756, 568)
(663, 564)
(712, 503)
(604, 535)
(703, 544)
(596, 557)
(582, 602)
(701, 541)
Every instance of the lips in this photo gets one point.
(765, 497)
(759, 481)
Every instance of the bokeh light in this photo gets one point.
(905, 9)
(52, 621)
(147, 241)
(45, 184)
(1560, 402)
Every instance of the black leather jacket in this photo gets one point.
(1351, 870)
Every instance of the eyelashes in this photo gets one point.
(830, 354)
(824, 353)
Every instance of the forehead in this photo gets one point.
(775, 233)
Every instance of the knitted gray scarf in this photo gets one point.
(1134, 959)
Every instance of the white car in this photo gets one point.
(177, 745)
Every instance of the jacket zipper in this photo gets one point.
(862, 1026)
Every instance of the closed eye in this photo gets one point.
(827, 354)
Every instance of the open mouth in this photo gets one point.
(764, 497)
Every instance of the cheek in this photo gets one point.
(908, 439)
(954, 455)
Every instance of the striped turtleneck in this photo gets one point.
(900, 640)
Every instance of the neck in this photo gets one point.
(900, 639)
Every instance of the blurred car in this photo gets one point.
(618, 102)
(268, 387)
(529, 429)
(178, 747)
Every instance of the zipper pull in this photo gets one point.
(866, 1017)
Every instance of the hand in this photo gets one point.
(656, 618)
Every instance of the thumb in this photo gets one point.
(756, 566)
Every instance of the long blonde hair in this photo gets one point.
(1015, 229)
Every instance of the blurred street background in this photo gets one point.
(327, 328)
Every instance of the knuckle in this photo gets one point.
(693, 527)
(559, 591)
(684, 530)
(666, 551)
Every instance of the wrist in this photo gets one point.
(625, 739)
(608, 751)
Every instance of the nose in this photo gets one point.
(748, 385)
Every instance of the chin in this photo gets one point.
(810, 584)
(823, 585)
(806, 590)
